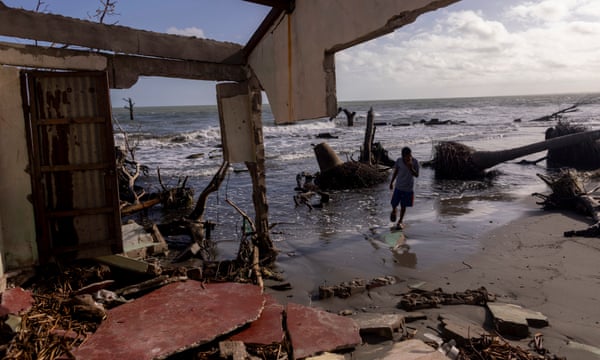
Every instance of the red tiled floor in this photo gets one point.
(313, 331)
(171, 319)
(15, 300)
(268, 329)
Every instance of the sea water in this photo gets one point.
(336, 242)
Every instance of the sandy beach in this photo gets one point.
(527, 262)
(530, 263)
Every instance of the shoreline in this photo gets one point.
(527, 262)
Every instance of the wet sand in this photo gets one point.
(526, 262)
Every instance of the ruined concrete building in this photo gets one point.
(57, 168)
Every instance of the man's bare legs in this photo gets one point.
(400, 225)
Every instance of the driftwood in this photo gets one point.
(420, 299)
(558, 115)
(365, 156)
(248, 252)
(128, 209)
(213, 186)
(453, 160)
(569, 193)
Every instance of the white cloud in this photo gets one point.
(547, 10)
(189, 31)
(466, 53)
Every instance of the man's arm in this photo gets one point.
(414, 169)
(394, 174)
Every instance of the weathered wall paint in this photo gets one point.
(16, 211)
(294, 61)
(236, 127)
(19, 56)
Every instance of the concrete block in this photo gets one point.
(459, 329)
(511, 319)
(381, 325)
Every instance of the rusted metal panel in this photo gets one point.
(73, 165)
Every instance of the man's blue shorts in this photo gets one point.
(404, 198)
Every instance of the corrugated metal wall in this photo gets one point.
(74, 165)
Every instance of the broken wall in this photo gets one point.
(294, 61)
(18, 244)
(17, 225)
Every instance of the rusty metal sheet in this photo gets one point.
(73, 164)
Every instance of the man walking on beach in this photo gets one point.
(406, 169)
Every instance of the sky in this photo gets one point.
(470, 48)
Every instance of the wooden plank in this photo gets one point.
(65, 30)
(126, 263)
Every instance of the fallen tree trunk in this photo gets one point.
(584, 155)
(457, 161)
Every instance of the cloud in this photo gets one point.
(467, 53)
(189, 31)
(547, 10)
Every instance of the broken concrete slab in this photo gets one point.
(413, 350)
(313, 331)
(380, 325)
(327, 356)
(268, 329)
(174, 318)
(513, 320)
(139, 244)
(15, 301)
(460, 329)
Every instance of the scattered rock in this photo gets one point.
(326, 135)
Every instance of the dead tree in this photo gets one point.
(349, 116)
(365, 156)
(584, 155)
(453, 160)
(179, 197)
(569, 193)
(128, 172)
(198, 213)
(108, 9)
(129, 106)
(338, 175)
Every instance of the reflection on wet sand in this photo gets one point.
(465, 204)
(400, 249)
(403, 257)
